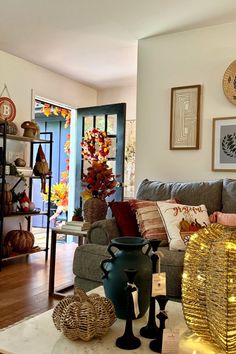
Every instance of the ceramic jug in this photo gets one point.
(126, 253)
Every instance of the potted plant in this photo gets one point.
(77, 214)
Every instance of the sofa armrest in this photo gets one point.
(101, 232)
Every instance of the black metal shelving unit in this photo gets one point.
(34, 143)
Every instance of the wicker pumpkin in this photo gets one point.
(19, 240)
(84, 317)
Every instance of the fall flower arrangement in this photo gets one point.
(99, 180)
(59, 195)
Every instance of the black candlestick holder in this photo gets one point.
(151, 330)
(128, 340)
(156, 344)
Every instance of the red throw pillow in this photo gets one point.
(125, 218)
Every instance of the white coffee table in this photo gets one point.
(39, 336)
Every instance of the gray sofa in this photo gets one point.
(217, 195)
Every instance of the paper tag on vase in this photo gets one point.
(170, 341)
(135, 302)
(158, 284)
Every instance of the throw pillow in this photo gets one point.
(149, 219)
(223, 218)
(125, 218)
(181, 221)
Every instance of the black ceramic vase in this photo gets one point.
(127, 252)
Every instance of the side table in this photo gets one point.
(55, 231)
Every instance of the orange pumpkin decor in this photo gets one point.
(7, 199)
(19, 240)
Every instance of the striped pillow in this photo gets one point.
(149, 219)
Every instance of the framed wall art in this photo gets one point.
(185, 117)
(224, 144)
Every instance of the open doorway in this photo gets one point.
(53, 118)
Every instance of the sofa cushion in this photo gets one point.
(125, 218)
(179, 218)
(229, 196)
(103, 231)
(172, 264)
(190, 193)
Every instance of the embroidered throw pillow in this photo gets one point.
(125, 218)
(149, 219)
(181, 221)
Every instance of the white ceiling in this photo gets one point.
(95, 41)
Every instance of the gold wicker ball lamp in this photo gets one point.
(209, 286)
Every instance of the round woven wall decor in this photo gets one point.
(229, 82)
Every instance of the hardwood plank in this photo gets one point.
(24, 284)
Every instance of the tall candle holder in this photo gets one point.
(156, 344)
(128, 340)
(151, 329)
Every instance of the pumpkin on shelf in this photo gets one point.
(19, 240)
(7, 197)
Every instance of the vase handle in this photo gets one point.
(109, 249)
(106, 272)
(148, 249)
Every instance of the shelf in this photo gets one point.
(6, 138)
(26, 139)
(22, 213)
(14, 255)
(33, 177)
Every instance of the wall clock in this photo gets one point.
(229, 82)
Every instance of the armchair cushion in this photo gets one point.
(103, 231)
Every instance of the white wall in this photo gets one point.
(198, 56)
(125, 94)
(21, 77)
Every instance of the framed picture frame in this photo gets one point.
(185, 117)
(224, 144)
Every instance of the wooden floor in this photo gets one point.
(24, 284)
